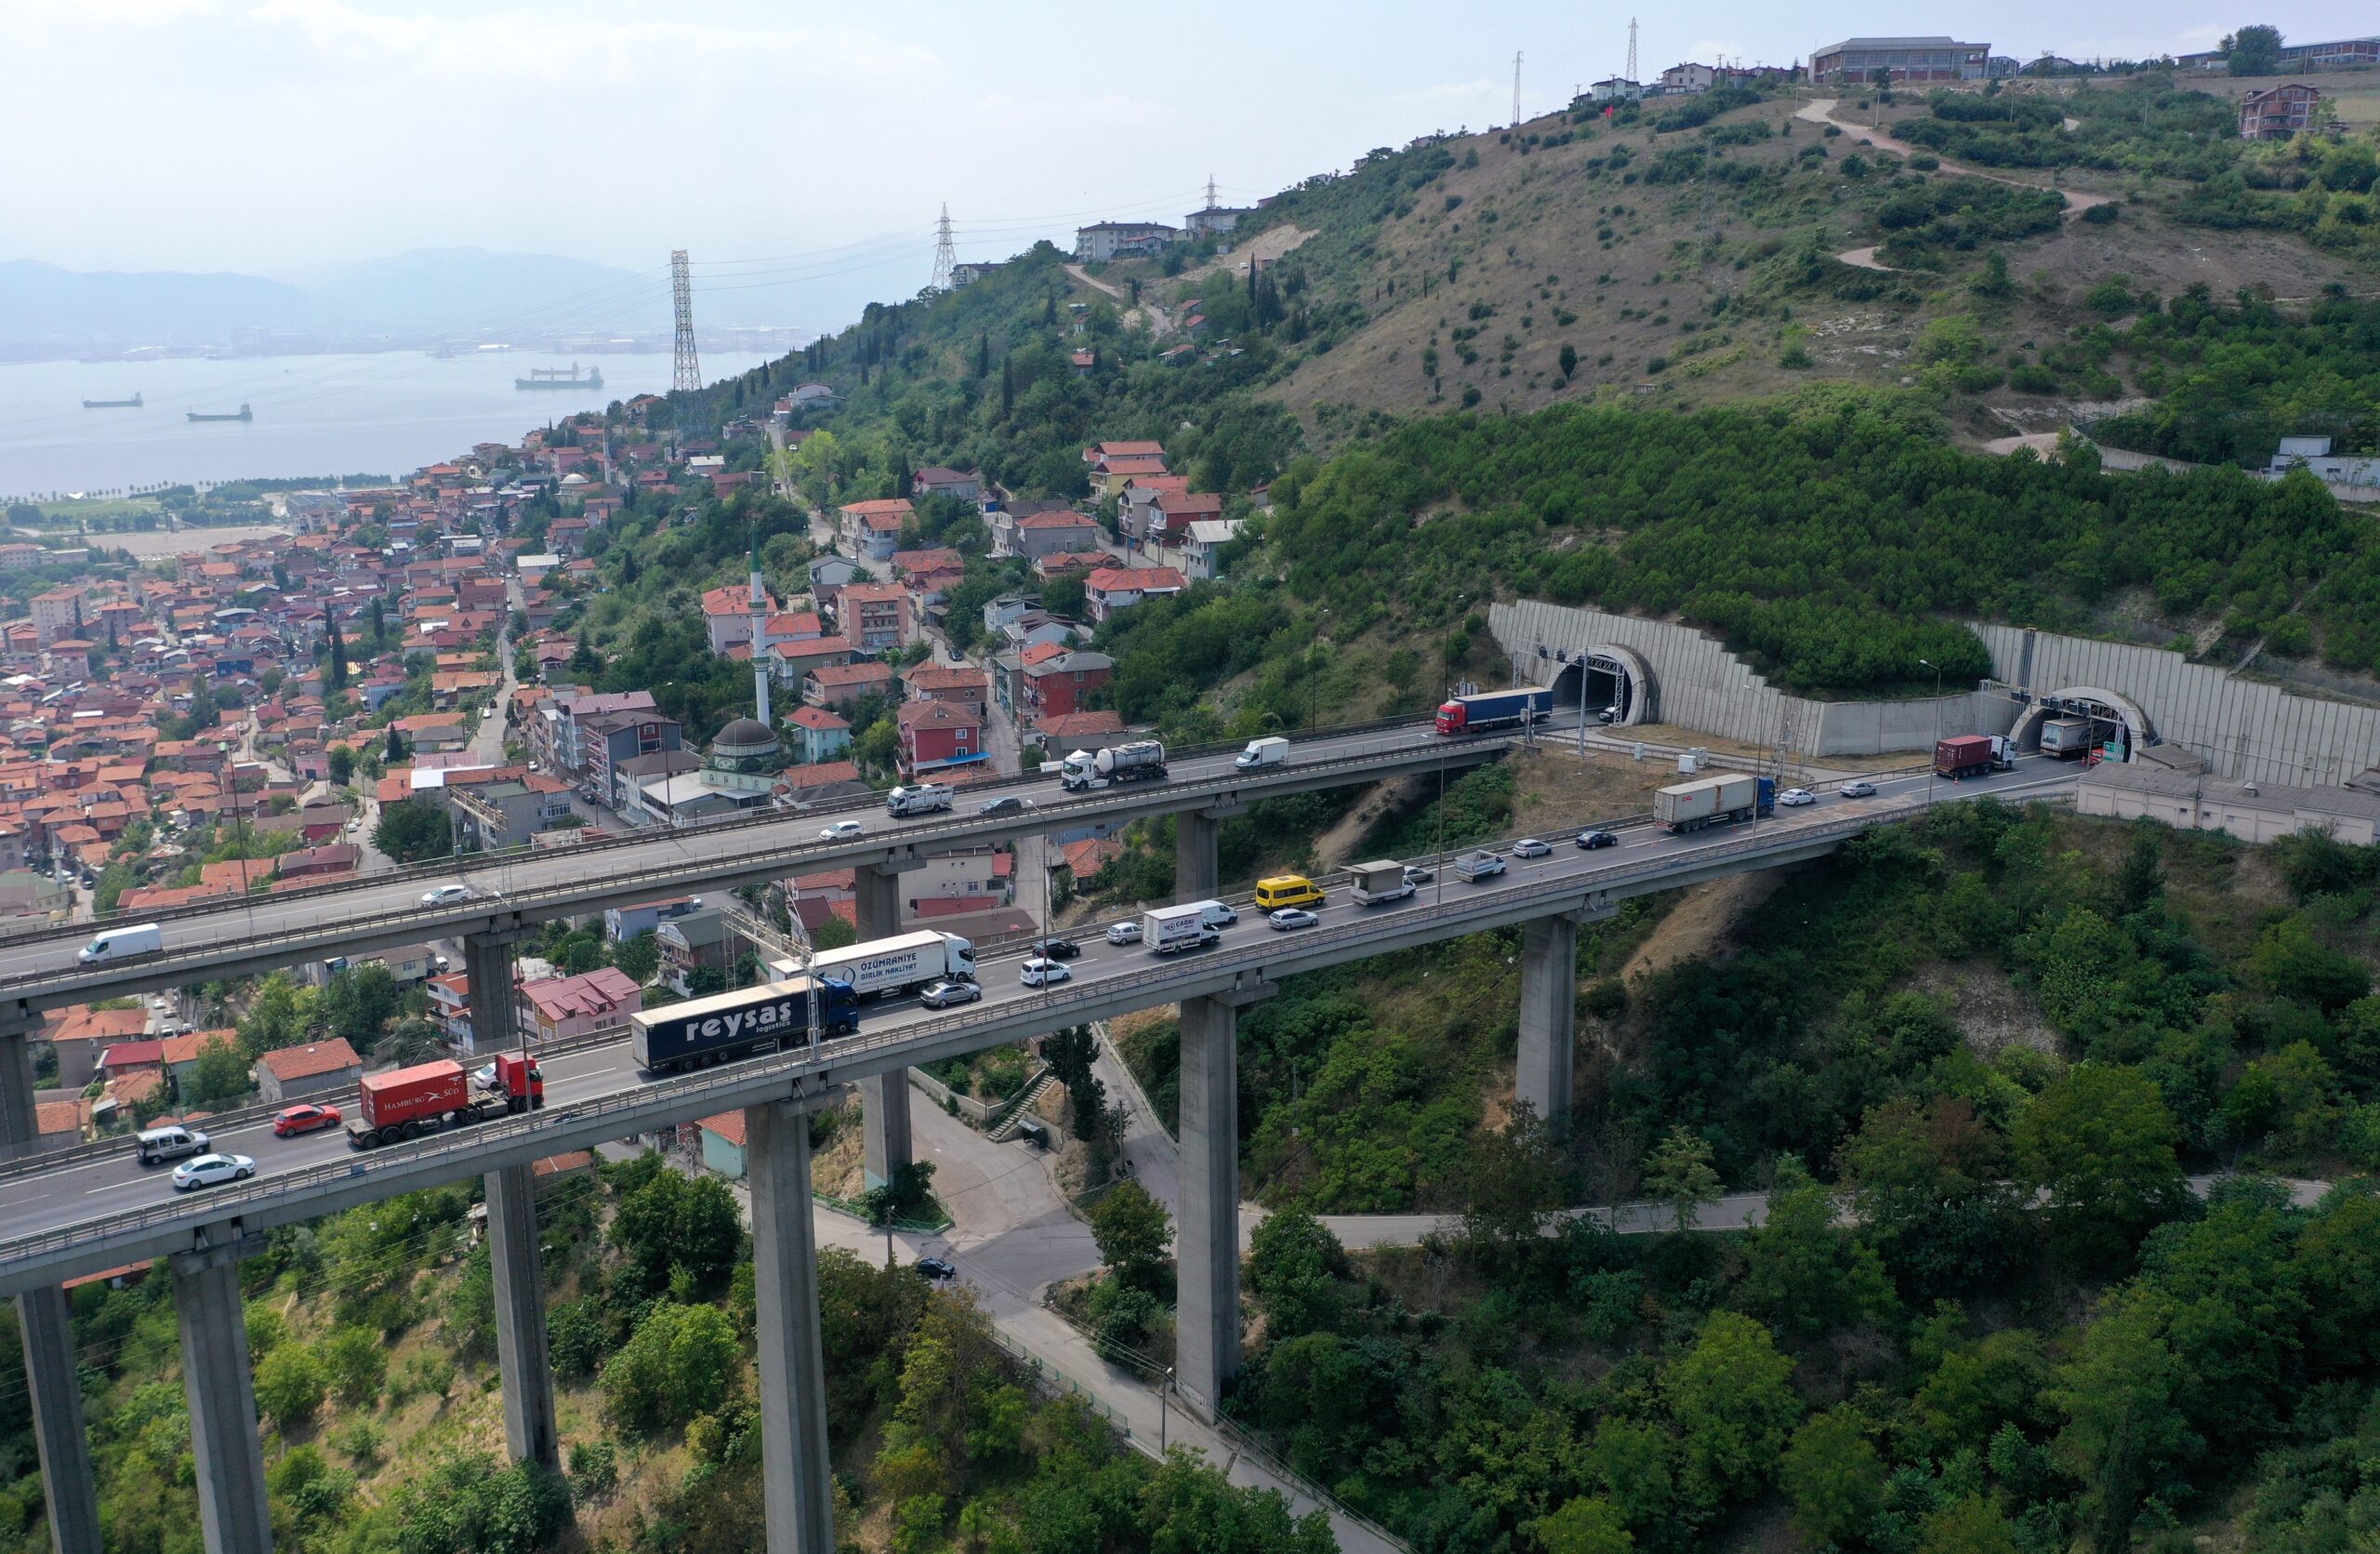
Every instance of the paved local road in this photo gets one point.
(73, 1193)
(588, 876)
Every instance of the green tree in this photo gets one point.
(2119, 1396)
(358, 1002)
(342, 764)
(675, 1222)
(2253, 50)
(220, 1075)
(290, 1383)
(1732, 1396)
(281, 1015)
(1132, 1230)
(412, 830)
(2100, 1143)
(1800, 1270)
(640, 957)
(1294, 1269)
(1678, 1172)
(1972, 1525)
(1587, 1524)
(1925, 1185)
(1513, 1181)
(681, 1362)
(834, 934)
(335, 676)
(355, 1364)
(2295, 964)
(1834, 1477)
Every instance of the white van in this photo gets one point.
(1216, 914)
(122, 944)
(1273, 751)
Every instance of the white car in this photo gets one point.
(1530, 847)
(1288, 917)
(1039, 972)
(1795, 797)
(1858, 787)
(212, 1171)
(1124, 933)
(445, 896)
(842, 830)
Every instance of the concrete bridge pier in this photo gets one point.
(1549, 1015)
(232, 1516)
(514, 1251)
(1207, 1233)
(797, 1482)
(20, 1121)
(1197, 865)
(67, 1486)
(884, 1098)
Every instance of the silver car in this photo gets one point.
(1858, 787)
(942, 995)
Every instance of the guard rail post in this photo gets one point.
(232, 1515)
(1549, 1016)
(796, 1475)
(1207, 1243)
(514, 1257)
(884, 1098)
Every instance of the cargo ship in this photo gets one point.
(244, 414)
(132, 404)
(555, 378)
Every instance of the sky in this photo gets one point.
(806, 150)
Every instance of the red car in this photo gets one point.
(292, 1121)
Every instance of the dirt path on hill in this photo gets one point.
(1821, 111)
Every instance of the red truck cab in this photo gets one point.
(520, 1082)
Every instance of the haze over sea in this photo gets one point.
(387, 413)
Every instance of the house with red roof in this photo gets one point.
(962, 685)
(1119, 588)
(843, 685)
(819, 734)
(308, 1072)
(937, 737)
(1035, 535)
(871, 530)
(559, 1007)
(875, 617)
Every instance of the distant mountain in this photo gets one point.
(432, 291)
(41, 304)
(411, 297)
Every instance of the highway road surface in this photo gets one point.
(79, 1190)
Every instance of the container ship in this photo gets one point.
(242, 414)
(556, 377)
(132, 404)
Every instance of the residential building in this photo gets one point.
(722, 1137)
(978, 878)
(843, 685)
(1616, 88)
(1035, 535)
(490, 816)
(1056, 679)
(936, 481)
(288, 1074)
(819, 734)
(2314, 455)
(1688, 78)
(1110, 589)
(1856, 60)
(1214, 220)
(622, 923)
(873, 617)
(799, 787)
(961, 684)
(694, 940)
(1107, 240)
(871, 530)
(727, 614)
(57, 613)
(558, 1008)
(1202, 549)
(937, 737)
(2278, 112)
(610, 740)
(1075, 730)
(971, 271)
(2298, 57)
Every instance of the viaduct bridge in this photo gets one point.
(56, 1225)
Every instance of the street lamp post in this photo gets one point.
(1930, 762)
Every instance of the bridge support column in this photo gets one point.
(56, 1396)
(20, 1121)
(232, 1513)
(515, 1255)
(1198, 866)
(1206, 1228)
(795, 1472)
(1549, 1015)
(884, 1098)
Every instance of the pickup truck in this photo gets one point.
(1474, 866)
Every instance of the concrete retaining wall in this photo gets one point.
(2245, 728)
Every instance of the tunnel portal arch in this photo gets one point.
(2107, 710)
(1604, 675)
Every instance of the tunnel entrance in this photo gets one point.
(2084, 722)
(1601, 681)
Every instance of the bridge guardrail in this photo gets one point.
(445, 868)
(792, 1067)
(693, 872)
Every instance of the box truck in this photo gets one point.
(709, 1030)
(1271, 751)
(406, 1102)
(1472, 714)
(1169, 930)
(2067, 737)
(1376, 883)
(1141, 761)
(900, 964)
(923, 798)
(1713, 801)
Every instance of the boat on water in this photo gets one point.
(556, 377)
(244, 414)
(132, 404)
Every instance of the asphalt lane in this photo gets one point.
(88, 1189)
(264, 917)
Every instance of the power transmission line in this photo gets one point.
(685, 370)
